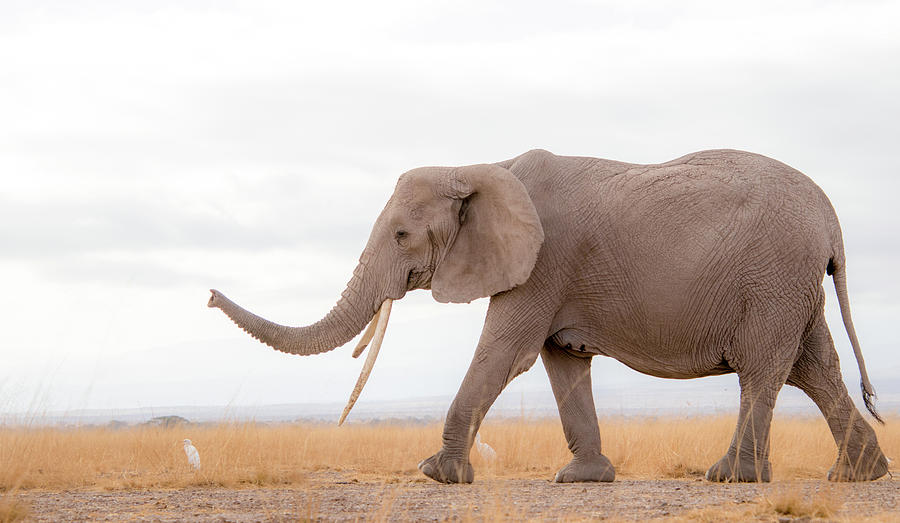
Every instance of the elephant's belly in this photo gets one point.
(655, 361)
(679, 366)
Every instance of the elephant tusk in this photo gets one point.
(377, 337)
(367, 337)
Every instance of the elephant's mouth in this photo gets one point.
(419, 279)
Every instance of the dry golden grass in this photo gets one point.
(792, 501)
(12, 510)
(236, 455)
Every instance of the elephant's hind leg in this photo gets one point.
(762, 358)
(817, 373)
(570, 378)
(747, 458)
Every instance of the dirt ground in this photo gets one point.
(330, 496)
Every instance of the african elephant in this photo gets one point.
(708, 264)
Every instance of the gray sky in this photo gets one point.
(151, 151)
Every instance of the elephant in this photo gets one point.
(709, 264)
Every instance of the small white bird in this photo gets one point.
(192, 455)
(484, 449)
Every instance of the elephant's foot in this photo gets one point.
(447, 470)
(598, 468)
(729, 469)
(870, 466)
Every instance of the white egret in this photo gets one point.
(192, 455)
(485, 450)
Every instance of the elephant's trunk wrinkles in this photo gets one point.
(345, 320)
(330, 332)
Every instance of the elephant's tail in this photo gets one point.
(838, 271)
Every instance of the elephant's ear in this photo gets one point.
(498, 239)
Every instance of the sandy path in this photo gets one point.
(334, 497)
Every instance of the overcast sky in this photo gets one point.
(150, 151)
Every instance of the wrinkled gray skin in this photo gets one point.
(709, 264)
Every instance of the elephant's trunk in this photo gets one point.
(357, 305)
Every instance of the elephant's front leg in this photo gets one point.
(509, 345)
(570, 378)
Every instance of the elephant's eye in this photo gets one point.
(401, 235)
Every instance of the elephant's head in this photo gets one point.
(464, 233)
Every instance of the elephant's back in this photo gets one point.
(724, 194)
(690, 208)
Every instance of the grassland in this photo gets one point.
(295, 456)
(259, 454)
